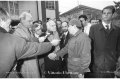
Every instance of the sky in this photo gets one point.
(66, 5)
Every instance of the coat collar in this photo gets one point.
(3, 30)
(77, 33)
(102, 27)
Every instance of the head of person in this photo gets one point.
(107, 13)
(26, 19)
(51, 26)
(5, 20)
(47, 19)
(64, 26)
(37, 27)
(74, 26)
(83, 19)
(93, 21)
(38, 23)
(59, 23)
(99, 21)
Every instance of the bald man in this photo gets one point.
(29, 68)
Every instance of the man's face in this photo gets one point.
(28, 22)
(83, 21)
(71, 29)
(51, 26)
(64, 26)
(93, 22)
(38, 31)
(107, 15)
(58, 24)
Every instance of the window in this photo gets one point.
(5, 5)
(16, 8)
(50, 5)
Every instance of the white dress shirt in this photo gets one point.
(87, 28)
(104, 24)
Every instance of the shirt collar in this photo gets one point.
(65, 33)
(104, 24)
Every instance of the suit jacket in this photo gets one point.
(105, 48)
(13, 48)
(64, 40)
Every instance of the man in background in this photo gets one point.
(105, 46)
(86, 25)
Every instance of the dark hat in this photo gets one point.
(75, 22)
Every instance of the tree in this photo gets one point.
(117, 6)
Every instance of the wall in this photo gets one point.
(50, 14)
(29, 6)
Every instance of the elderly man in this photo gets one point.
(78, 49)
(29, 67)
(13, 48)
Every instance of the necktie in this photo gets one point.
(107, 28)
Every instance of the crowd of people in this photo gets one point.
(66, 49)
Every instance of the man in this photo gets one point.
(105, 46)
(65, 34)
(86, 25)
(64, 39)
(78, 49)
(13, 48)
(59, 24)
(28, 67)
(93, 21)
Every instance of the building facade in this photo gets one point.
(40, 10)
(80, 10)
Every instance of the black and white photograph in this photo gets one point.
(59, 38)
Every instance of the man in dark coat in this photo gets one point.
(105, 46)
(13, 48)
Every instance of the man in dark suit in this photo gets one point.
(64, 39)
(105, 46)
(13, 48)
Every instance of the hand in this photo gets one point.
(55, 42)
(52, 56)
(80, 75)
(41, 39)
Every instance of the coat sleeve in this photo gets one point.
(29, 49)
(63, 51)
(85, 54)
(118, 44)
(91, 33)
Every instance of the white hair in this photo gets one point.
(24, 15)
(49, 23)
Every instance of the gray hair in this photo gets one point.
(24, 15)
